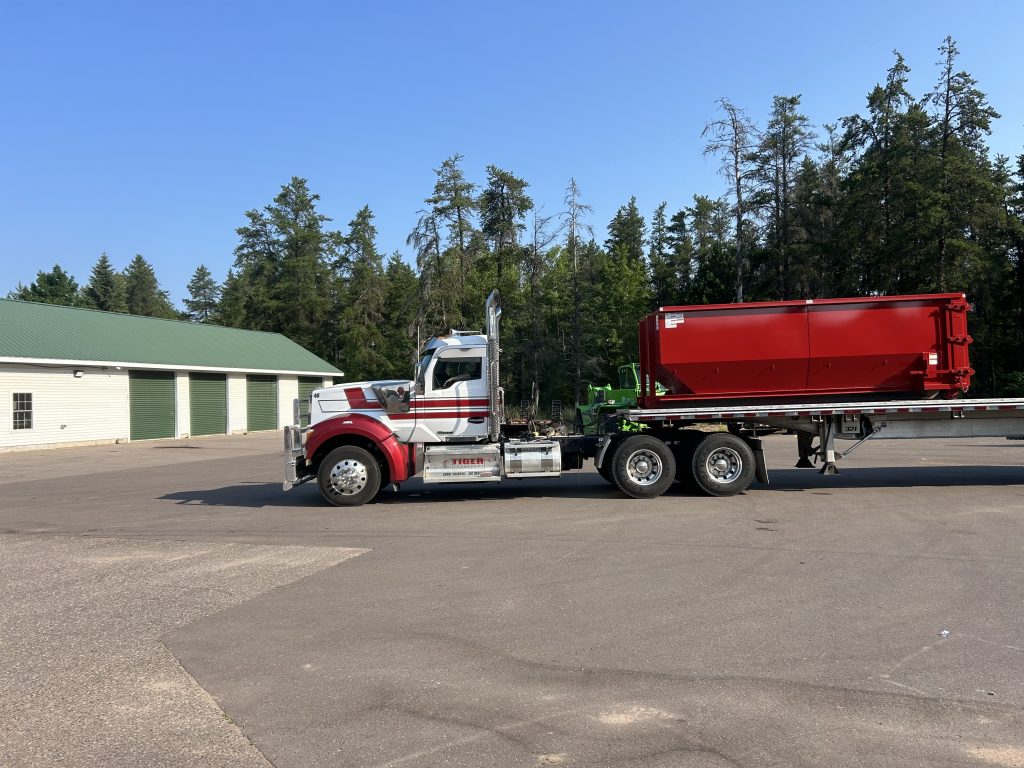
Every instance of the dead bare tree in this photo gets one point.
(735, 138)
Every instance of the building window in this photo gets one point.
(23, 410)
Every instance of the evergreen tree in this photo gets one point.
(204, 295)
(659, 256)
(786, 137)
(231, 306)
(400, 320)
(627, 233)
(454, 205)
(105, 290)
(503, 204)
(284, 257)
(889, 198)
(712, 262)
(680, 245)
(53, 287)
(143, 295)
(362, 342)
(962, 117)
(621, 294)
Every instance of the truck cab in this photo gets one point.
(450, 399)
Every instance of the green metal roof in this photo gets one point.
(51, 332)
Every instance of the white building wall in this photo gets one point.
(65, 409)
(182, 405)
(287, 392)
(237, 414)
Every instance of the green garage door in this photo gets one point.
(261, 402)
(208, 403)
(306, 385)
(151, 404)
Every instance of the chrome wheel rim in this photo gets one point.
(724, 465)
(644, 467)
(348, 477)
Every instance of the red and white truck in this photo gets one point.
(828, 370)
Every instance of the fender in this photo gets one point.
(396, 453)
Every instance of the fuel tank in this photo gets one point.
(867, 346)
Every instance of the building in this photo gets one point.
(71, 376)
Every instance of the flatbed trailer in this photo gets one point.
(724, 463)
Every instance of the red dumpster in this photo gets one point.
(890, 346)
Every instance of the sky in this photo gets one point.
(144, 127)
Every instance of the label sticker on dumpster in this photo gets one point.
(672, 319)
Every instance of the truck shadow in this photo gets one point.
(253, 495)
(588, 485)
(256, 495)
(895, 477)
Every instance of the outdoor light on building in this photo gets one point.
(79, 374)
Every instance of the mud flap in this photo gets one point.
(760, 468)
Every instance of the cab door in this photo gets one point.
(454, 405)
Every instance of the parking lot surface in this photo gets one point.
(167, 604)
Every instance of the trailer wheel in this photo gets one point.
(349, 476)
(723, 465)
(642, 467)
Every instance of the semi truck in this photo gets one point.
(713, 380)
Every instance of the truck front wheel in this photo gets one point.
(643, 467)
(349, 476)
(723, 464)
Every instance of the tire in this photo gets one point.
(723, 465)
(349, 476)
(642, 467)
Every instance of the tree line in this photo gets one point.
(904, 197)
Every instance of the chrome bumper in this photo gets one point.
(294, 460)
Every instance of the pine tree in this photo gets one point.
(621, 293)
(503, 204)
(454, 205)
(786, 137)
(105, 290)
(663, 278)
(53, 287)
(962, 117)
(712, 249)
(204, 295)
(284, 258)
(680, 245)
(230, 309)
(363, 347)
(399, 318)
(143, 295)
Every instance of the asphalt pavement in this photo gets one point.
(167, 604)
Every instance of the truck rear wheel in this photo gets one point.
(723, 464)
(349, 476)
(642, 467)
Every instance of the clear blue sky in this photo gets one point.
(144, 127)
